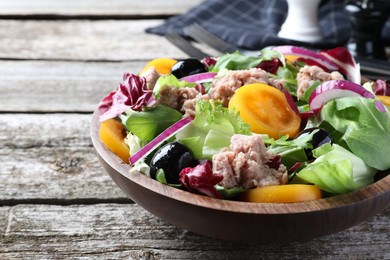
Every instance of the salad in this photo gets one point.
(286, 125)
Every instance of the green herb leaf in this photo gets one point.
(237, 61)
(160, 177)
(290, 151)
(306, 95)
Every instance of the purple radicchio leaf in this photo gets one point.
(133, 94)
(381, 87)
(200, 179)
(275, 162)
(209, 61)
(270, 66)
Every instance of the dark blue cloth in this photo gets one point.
(254, 24)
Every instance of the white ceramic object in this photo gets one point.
(302, 21)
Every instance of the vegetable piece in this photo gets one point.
(209, 62)
(291, 151)
(162, 65)
(380, 106)
(187, 67)
(319, 137)
(271, 60)
(290, 58)
(270, 66)
(211, 129)
(384, 99)
(268, 60)
(111, 133)
(364, 129)
(381, 88)
(305, 53)
(133, 94)
(290, 100)
(171, 158)
(345, 61)
(266, 110)
(134, 143)
(201, 179)
(282, 193)
(336, 170)
(336, 89)
(170, 81)
(288, 74)
(146, 125)
(200, 77)
(156, 142)
(237, 61)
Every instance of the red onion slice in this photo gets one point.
(345, 61)
(305, 53)
(168, 133)
(200, 77)
(379, 105)
(335, 89)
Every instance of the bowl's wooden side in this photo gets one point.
(240, 221)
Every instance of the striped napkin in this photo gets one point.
(254, 24)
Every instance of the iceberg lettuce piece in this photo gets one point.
(134, 143)
(364, 128)
(336, 170)
(211, 129)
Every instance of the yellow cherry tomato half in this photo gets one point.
(384, 99)
(282, 193)
(112, 136)
(162, 65)
(266, 110)
(290, 58)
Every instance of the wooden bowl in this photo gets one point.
(243, 221)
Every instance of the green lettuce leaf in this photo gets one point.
(364, 129)
(146, 125)
(229, 193)
(268, 54)
(336, 170)
(236, 61)
(290, 151)
(169, 81)
(211, 129)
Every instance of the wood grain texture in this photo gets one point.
(76, 8)
(112, 231)
(55, 86)
(115, 40)
(49, 157)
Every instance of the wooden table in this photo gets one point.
(57, 60)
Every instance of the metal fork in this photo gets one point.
(185, 45)
(201, 35)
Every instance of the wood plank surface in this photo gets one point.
(55, 86)
(115, 40)
(57, 60)
(112, 231)
(95, 7)
(50, 157)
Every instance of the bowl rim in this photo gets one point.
(380, 188)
